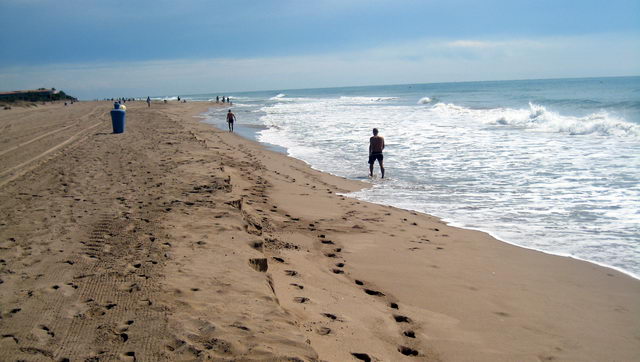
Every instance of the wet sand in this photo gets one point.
(179, 241)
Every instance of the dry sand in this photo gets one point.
(178, 241)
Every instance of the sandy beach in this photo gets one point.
(179, 241)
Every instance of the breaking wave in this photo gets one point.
(279, 96)
(539, 118)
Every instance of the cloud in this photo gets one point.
(420, 61)
(472, 44)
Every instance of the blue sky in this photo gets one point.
(137, 48)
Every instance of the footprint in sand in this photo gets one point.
(374, 292)
(43, 333)
(323, 331)
(67, 289)
(401, 319)
(333, 317)
(130, 287)
(11, 337)
(259, 264)
(301, 299)
(124, 327)
(410, 334)
(128, 356)
(14, 311)
(362, 357)
(408, 351)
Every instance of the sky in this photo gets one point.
(97, 49)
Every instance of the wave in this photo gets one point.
(539, 118)
(600, 123)
(367, 99)
(342, 100)
(279, 96)
(425, 100)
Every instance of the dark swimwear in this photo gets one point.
(375, 156)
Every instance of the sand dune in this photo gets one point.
(178, 241)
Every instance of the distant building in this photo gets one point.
(34, 95)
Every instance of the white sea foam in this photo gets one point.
(425, 100)
(519, 173)
(165, 98)
(365, 100)
(277, 97)
(538, 118)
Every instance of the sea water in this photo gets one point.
(552, 165)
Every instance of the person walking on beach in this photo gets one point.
(148, 102)
(376, 145)
(230, 119)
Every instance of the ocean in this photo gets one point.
(551, 165)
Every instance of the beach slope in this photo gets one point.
(179, 241)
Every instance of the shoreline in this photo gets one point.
(251, 135)
(177, 240)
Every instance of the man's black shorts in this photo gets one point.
(375, 156)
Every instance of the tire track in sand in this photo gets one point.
(76, 136)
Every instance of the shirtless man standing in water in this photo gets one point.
(376, 145)
(230, 119)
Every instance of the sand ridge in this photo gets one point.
(179, 241)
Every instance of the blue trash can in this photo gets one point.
(118, 119)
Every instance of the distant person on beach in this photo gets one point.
(148, 102)
(230, 119)
(217, 99)
(376, 145)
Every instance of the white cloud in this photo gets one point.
(472, 44)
